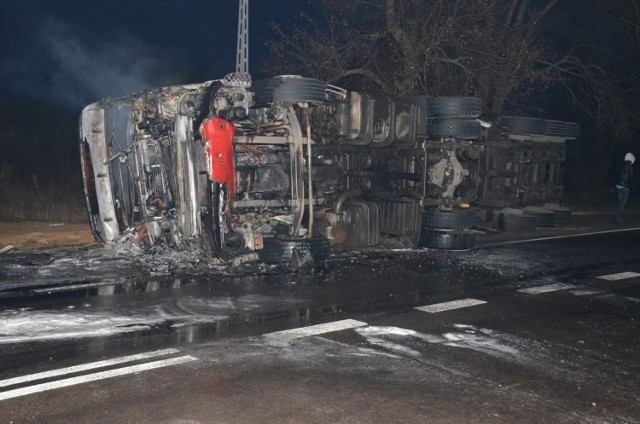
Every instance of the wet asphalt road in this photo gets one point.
(542, 338)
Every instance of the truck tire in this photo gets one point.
(454, 107)
(545, 218)
(562, 215)
(569, 130)
(446, 239)
(289, 89)
(281, 249)
(517, 222)
(454, 128)
(523, 125)
(457, 219)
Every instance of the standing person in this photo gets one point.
(624, 185)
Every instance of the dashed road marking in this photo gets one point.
(315, 330)
(85, 367)
(547, 288)
(10, 394)
(447, 306)
(619, 276)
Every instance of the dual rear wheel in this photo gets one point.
(448, 229)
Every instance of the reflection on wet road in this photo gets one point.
(102, 293)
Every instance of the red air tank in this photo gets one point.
(218, 135)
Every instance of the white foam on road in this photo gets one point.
(619, 276)
(547, 288)
(586, 292)
(379, 336)
(28, 326)
(10, 394)
(448, 306)
(395, 340)
(86, 367)
(478, 339)
(315, 330)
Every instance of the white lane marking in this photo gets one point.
(74, 287)
(94, 377)
(314, 330)
(619, 276)
(547, 288)
(448, 306)
(566, 236)
(85, 367)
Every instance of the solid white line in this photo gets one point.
(448, 306)
(94, 377)
(314, 330)
(85, 367)
(74, 287)
(619, 276)
(566, 236)
(547, 288)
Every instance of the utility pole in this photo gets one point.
(241, 77)
(242, 53)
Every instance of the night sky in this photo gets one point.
(73, 52)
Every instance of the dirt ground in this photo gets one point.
(44, 235)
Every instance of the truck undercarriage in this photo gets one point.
(291, 168)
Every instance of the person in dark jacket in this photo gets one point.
(624, 185)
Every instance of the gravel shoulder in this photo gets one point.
(44, 235)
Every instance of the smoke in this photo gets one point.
(72, 69)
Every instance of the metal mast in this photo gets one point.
(241, 77)
(242, 58)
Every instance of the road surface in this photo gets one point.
(513, 331)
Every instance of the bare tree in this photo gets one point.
(600, 75)
(600, 72)
(485, 48)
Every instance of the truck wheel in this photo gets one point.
(523, 125)
(546, 218)
(569, 130)
(454, 128)
(281, 249)
(517, 222)
(454, 107)
(452, 219)
(562, 215)
(289, 89)
(446, 239)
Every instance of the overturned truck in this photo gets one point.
(291, 168)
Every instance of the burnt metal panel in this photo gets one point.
(401, 217)
(364, 223)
